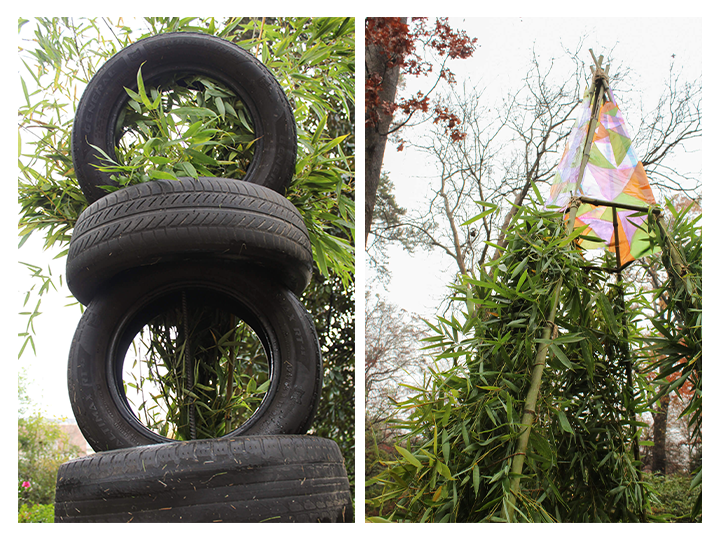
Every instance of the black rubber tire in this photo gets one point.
(113, 318)
(105, 97)
(169, 221)
(247, 479)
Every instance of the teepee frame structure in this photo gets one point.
(574, 198)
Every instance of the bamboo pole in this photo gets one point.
(538, 367)
(613, 204)
(529, 412)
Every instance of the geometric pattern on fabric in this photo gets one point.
(613, 173)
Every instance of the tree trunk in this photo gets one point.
(659, 457)
(376, 135)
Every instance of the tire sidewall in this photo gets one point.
(193, 53)
(280, 321)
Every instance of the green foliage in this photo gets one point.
(200, 128)
(36, 513)
(39, 456)
(462, 425)
(230, 372)
(42, 447)
(673, 498)
(188, 126)
(674, 352)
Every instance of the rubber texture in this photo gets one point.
(165, 55)
(111, 321)
(188, 219)
(246, 479)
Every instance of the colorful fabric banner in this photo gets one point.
(613, 173)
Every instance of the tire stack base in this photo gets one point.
(246, 479)
(233, 245)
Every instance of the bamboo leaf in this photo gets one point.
(570, 238)
(443, 470)
(561, 356)
(407, 455)
(608, 314)
(141, 90)
(564, 423)
(521, 281)
(478, 217)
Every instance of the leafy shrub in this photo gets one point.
(463, 425)
(36, 513)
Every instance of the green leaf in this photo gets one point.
(575, 234)
(188, 169)
(443, 470)
(105, 157)
(150, 144)
(319, 130)
(141, 90)
(608, 314)
(586, 351)
(332, 144)
(195, 111)
(478, 217)
(159, 160)
(564, 424)
(220, 106)
(160, 175)
(521, 281)
(519, 268)
(561, 356)
(407, 455)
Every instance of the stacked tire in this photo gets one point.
(188, 246)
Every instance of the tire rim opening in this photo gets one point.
(188, 125)
(195, 371)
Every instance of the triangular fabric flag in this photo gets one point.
(612, 174)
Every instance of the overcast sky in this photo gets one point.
(499, 64)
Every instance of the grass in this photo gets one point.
(673, 500)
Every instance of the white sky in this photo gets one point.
(499, 65)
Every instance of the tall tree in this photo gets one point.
(391, 354)
(391, 51)
(517, 144)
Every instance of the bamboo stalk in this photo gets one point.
(538, 367)
(613, 204)
(535, 380)
(617, 238)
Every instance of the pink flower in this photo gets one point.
(26, 484)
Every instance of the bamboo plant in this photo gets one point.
(463, 425)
